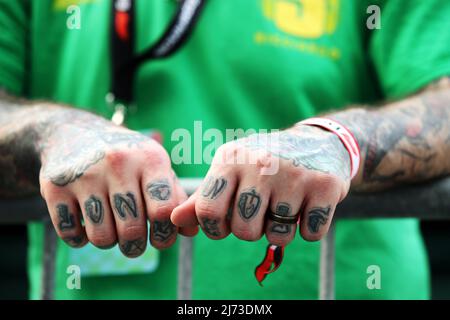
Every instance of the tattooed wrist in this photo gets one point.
(406, 141)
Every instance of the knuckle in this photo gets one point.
(133, 232)
(205, 209)
(312, 237)
(246, 233)
(162, 212)
(102, 239)
(116, 160)
(278, 240)
(156, 155)
(326, 184)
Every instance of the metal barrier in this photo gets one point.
(425, 201)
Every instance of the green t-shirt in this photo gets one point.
(249, 64)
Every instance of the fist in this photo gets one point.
(102, 183)
(266, 183)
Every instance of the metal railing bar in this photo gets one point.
(185, 267)
(327, 265)
(48, 261)
(425, 201)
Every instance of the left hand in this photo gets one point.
(302, 171)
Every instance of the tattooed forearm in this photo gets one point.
(403, 142)
(163, 230)
(159, 190)
(249, 204)
(66, 219)
(210, 226)
(94, 209)
(317, 217)
(125, 205)
(214, 187)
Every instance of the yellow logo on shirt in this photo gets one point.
(64, 4)
(303, 18)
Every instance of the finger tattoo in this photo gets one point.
(317, 217)
(133, 248)
(283, 209)
(66, 219)
(211, 227)
(125, 205)
(249, 203)
(94, 209)
(214, 187)
(159, 190)
(281, 228)
(163, 230)
(75, 241)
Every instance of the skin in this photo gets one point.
(123, 179)
(87, 168)
(401, 142)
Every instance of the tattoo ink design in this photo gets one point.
(159, 190)
(163, 230)
(318, 217)
(313, 149)
(214, 187)
(94, 209)
(249, 203)
(66, 219)
(281, 228)
(283, 209)
(133, 248)
(210, 226)
(75, 241)
(125, 205)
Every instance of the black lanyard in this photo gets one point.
(124, 62)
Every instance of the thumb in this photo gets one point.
(184, 215)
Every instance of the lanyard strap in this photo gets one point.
(124, 62)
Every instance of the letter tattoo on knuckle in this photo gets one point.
(318, 217)
(125, 205)
(249, 204)
(211, 226)
(163, 231)
(283, 209)
(159, 190)
(133, 248)
(66, 219)
(75, 241)
(214, 187)
(94, 209)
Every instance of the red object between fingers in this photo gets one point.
(271, 262)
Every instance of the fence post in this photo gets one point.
(327, 265)
(48, 261)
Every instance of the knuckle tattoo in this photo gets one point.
(125, 205)
(159, 190)
(94, 209)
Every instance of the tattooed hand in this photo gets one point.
(303, 171)
(111, 178)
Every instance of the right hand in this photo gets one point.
(113, 179)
